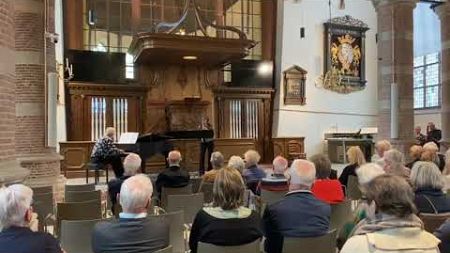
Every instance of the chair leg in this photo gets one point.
(87, 175)
(96, 176)
(107, 170)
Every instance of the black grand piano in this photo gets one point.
(148, 145)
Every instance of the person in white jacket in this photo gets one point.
(394, 227)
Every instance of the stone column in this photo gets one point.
(10, 171)
(396, 56)
(443, 12)
(32, 60)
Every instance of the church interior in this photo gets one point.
(359, 89)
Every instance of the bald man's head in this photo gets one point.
(174, 158)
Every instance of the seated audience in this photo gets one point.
(105, 152)
(133, 231)
(394, 163)
(15, 217)
(132, 166)
(395, 227)
(252, 174)
(431, 154)
(415, 152)
(237, 163)
(276, 181)
(380, 147)
(299, 213)
(356, 159)
(217, 162)
(226, 222)
(365, 173)
(443, 234)
(173, 176)
(428, 183)
(324, 188)
(446, 171)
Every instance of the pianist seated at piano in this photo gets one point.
(174, 176)
(105, 152)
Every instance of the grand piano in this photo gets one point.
(148, 145)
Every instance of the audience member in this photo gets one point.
(443, 234)
(324, 188)
(252, 174)
(132, 166)
(299, 213)
(394, 163)
(415, 152)
(133, 231)
(227, 222)
(276, 181)
(394, 228)
(217, 162)
(446, 171)
(433, 134)
(173, 176)
(15, 217)
(237, 163)
(356, 159)
(420, 138)
(380, 147)
(366, 173)
(428, 183)
(431, 154)
(105, 152)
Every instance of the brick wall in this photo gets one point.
(7, 81)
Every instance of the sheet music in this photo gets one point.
(128, 138)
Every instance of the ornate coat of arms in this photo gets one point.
(345, 54)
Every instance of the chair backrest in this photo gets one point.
(195, 182)
(321, 244)
(252, 247)
(43, 205)
(80, 187)
(340, 214)
(166, 191)
(89, 210)
(76, 235)
(83, 196)
(169, 249)
(353, 191)
(270, 197)
(41, 190)
(190, 204)
(176, 223)
(433, 221)
(207, 189)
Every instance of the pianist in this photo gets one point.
(105, 152)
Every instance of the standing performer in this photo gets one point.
(433, 134)
(206, 144)
(105, 152)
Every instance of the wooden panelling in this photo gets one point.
(289, 147)
(76, 156)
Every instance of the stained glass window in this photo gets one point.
(427, 83)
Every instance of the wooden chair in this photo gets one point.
(270, 197)
(195, 182)
(89, 210)
(96, 168)
(190, 204)
(433, 221)
(169, 249)
(83, 196)
(174, 191)
(42, 190)
(321, 244)
(207, 190)
(79, 187)
(76, 235)
(340, 214)
(44, 206)
(252, 247)
(177, 229)
(353, 191)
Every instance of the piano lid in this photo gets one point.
(195, 134)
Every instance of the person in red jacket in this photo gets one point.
(324, 188)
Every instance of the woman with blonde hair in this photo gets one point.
(227, 222)
(356, 159)
(431, 154)
(415, 152)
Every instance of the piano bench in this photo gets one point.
(97, 167)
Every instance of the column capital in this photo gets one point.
(443, 10)
(379, 3)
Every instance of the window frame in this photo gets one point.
(424, 65)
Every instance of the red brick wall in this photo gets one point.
(7, 81)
